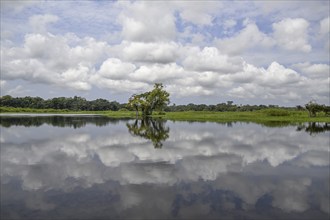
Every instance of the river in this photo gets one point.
(92, 167)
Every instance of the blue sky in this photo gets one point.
(251, 52)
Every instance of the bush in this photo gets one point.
(276, 112)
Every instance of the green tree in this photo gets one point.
(312, 108)
(156, 99)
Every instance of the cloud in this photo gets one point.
(324, 32)
(275, 82)
(189, 46)
(325, 26)
(158, 73)
(292, 34)
(199, 13)
(114, 68)
(210, 59)
(17, 6)
(247, 38)
(39, 22)
(146, 22)
(159, 52)
(313, 70)
(119, 85)
(52, 60)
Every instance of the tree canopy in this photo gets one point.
(156, 99)
(312, 108)
(76, 103)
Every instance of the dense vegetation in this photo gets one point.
(147, 102)
(74, 104)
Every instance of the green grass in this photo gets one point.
(261, 116)
(254, 116)
(114, 114)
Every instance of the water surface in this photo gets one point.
(88, 167)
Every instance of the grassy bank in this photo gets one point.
(260, 116)
(266, 115)
(255, 116)
(114, 114)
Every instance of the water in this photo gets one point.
(87, 167)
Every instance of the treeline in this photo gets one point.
(81, 104)
(221, 107)
(75, 104)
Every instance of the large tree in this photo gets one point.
(156, 99)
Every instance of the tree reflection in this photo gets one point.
(314, 127)
(57, 121)
(150, 129)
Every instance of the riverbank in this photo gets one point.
(266, 115)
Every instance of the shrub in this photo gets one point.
(276, 112)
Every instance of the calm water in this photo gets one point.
(98, 168)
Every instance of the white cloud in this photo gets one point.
(39, 22)
(180, 91)
(200, 13)
(114, 68)
(146, 21)
(313, 70)
(247, 38)
(17, 6)
(275, 82)
(278, 75)
(17, 91)
(119, 85)
(158, 73)
(178, 43)
(77, 78)
(324, 32)
(229, 23)
(325, 26)
(292, 34)
(209, 59)
(159, 52)
(3, 83)
(52, 60)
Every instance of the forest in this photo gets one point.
(77, 103)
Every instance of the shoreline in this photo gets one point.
(201, 116)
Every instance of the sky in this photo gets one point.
(249, 52)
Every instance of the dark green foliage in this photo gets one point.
(156, 99)
(74, 104)
(313, 108)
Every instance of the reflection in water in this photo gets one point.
(314, 127)
(150, 129)
(203, 171)
(58, 121)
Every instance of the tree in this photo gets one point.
(313, 108)
(156, 99)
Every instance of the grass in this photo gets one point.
(261, 116)
(254, 116)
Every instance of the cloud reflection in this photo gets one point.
(203, 167)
